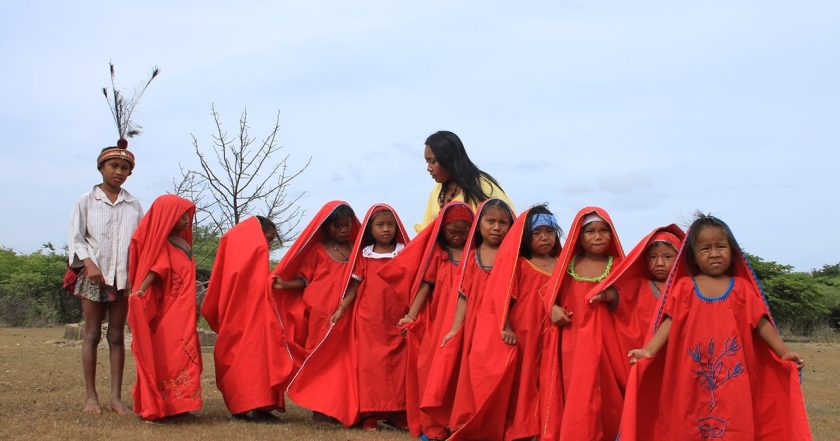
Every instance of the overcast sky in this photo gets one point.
(651, 110)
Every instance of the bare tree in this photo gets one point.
(242, 177)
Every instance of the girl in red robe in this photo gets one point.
(162, 311)
(638, 282)
(252, 363)
(583, 397)
(503, 360)
(493, 220)
(715, 367)
(427, 270)
(362, 360)
(312, 276)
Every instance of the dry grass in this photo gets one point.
(41, 397)
(41, 392)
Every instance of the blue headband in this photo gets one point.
(543, 220)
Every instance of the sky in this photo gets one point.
(651, 110)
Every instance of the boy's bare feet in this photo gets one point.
(119, 407)
(92, 405)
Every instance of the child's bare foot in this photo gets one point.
(119, 407)
(92, 406)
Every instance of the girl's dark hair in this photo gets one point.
(367, 236)
(341, 212)
(266, 224)
(704, 221)
(493, 203)
(525, 250)
(450, 154)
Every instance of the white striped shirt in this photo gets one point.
(101, 231)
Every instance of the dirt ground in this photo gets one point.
(41, 391)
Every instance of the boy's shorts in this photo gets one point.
(95, 292)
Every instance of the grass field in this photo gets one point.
(41, 393)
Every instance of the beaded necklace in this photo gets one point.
(448, 192)
(580, 278)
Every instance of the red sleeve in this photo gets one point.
(514, 285)
(682, 287)
(754, 307)
(431, 271)
(360, 269)
(161, 264)
(309, 264)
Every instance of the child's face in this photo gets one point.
(494, 225)
(439, 174)
(183, 222)
(115, 172)
(660, 259)
(455, 233)
(712, 251)
(339, 230)
(543, 240)
(595, 238)
(383, 227)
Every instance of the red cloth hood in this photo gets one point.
(572, 248)
(150, 235)
(405, 272)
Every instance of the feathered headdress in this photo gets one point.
(122, 109)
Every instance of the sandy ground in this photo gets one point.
(41, 392)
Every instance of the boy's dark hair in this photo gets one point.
(525, 249)
(701, 221)
(340, 212)
(367, 236)
(266, 224)
(450, 154)
(493, 203)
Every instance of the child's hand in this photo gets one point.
(93, 273)
(337, 315)
(508, 336)
(405, 321)
(278, 282)
(794, 357)
(637, 354)
(605, 296)
(560, 315)
(449, 335)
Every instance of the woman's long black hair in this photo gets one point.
(450, 154)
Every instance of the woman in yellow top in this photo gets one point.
(456, 177)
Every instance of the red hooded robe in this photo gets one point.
(503, 387)
(305, 314)
(362, 358)
(715, 378)
(164, 341)
(252, 361)
(422, 260)
(448, 370)
(582, 399)
(637, 300)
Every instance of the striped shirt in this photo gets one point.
(100, 230)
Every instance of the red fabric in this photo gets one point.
(586, 401)
(668, 396)
(448, 370)
(252, 363)
(423, 259)
(499, 397)
(637, 302)
(294, 304)
(164, 341)
(362, 358)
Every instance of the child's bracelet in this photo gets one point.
(410, 317)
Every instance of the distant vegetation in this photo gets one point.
(31, 294)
